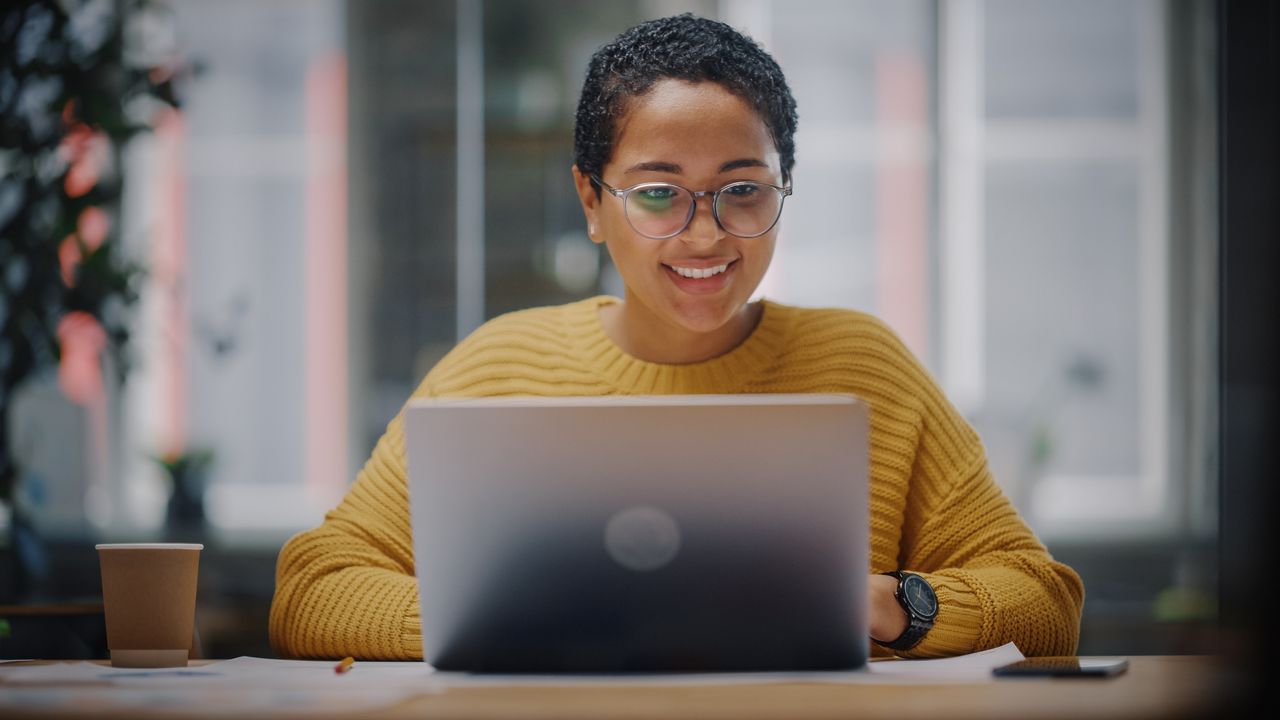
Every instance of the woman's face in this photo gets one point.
(701, 137)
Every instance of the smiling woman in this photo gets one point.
(683, 159)
(680, 306)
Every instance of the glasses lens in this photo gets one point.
(658, 210)
(748, 209)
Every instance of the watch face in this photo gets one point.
(920, 596)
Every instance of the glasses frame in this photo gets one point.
(783, 193)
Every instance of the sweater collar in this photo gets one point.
(727, 373)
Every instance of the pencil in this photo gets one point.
(345, 665)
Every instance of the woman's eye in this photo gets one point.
(744, 195)
(655, 198)
(658, 193)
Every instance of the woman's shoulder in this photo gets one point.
(549, 323)
(845, 340)
(857, 352)
(811, 326)
(521, 337)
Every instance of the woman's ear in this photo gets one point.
(590, 199)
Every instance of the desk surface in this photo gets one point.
(55, 609)
(1154, 686)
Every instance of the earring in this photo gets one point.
(591, 230)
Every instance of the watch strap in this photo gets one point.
(911, 637)
(917, 626)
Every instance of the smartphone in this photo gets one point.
(1068, 666)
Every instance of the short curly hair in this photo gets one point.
(683, 47)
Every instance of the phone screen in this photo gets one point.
(1068, 666)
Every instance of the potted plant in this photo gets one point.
(77, 82)
(184, 515)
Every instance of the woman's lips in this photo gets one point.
(702, 286)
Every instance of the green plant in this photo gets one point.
(181, 465)
(78, 80)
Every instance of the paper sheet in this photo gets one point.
(972, 668)
(259, 686)
(234, 688)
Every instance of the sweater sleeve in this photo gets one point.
(995, 582)
(347, 587)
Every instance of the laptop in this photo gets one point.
(640, 534)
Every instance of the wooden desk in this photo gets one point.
(62, 630)
(1154, 687)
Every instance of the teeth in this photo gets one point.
(698, 273)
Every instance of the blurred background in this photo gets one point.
(278, 214)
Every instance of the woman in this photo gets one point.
(683, 157)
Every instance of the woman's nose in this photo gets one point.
(703, 228)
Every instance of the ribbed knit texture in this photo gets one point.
(347, 587)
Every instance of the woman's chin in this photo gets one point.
(705, 316)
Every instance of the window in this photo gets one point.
(1055, 255)
(990, 177)
(237, 208)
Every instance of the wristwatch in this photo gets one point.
(916, 596)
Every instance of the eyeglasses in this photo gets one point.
(658, 211)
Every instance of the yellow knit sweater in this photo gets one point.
(347, 587)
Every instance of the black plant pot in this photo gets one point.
(184, 517)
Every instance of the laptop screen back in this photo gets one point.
(663, 533)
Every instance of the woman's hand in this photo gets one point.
(886, 620)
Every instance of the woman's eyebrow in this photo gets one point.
(743, 163)
(668, 167)
(655, 166)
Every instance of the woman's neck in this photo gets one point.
(643, 335)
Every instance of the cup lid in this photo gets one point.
(149, 546)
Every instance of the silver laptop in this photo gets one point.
(640, 534)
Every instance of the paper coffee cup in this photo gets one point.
(149, 598)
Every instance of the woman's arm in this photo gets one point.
(347, 587)
(995, 582)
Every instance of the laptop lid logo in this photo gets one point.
(642, 538)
